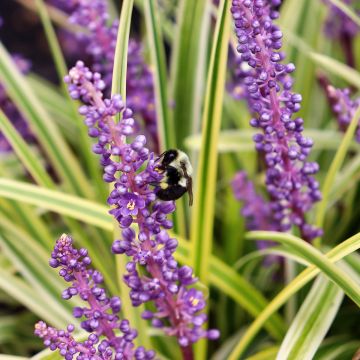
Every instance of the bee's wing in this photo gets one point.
(188, 183)
(189, 189)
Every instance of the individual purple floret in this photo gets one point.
(339, 26)
(11, 111)
(99, 43)
(343, 107)
(289, 177)
(132, 167)
(100, 315)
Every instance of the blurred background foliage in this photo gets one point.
(51, 183)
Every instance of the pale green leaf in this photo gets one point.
(204, 196)
(343, 249)
(312, 321)
(63, 160)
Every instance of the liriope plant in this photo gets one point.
(265, 264)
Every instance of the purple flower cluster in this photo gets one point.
(99, 43)
(100, 315)
(11, 111)
(339, 26)
(132, 167)
(289, 176)
(255, 209)
(343, 107)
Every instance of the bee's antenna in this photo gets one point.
(160, 156)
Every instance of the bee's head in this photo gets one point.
(169, 156)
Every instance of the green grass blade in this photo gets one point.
(333, 170)
(312, 321)
(338, 350)
(23, 151)
(85, 143)
(62, 159)
(189, 64)
(290, 19)
(53, 43)
(329, 64)
(121, 50)
(201, 235)
(268, 354)
(32, 223)
(165, 125)
(69, 205)
(37, 275)
(36, 169)
(25, 295)
(345, 248)
(166, 24)
(311, 254)
(49, 93)
(204, 196)
(345, 180)
(337, 68)
(56, 105)
(28, 253)
(165, 128)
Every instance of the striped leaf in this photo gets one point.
(25, 153)
(340, 251)
(189, 64)
(312, 321)
(204, 196)
(308, 252)
(62, 159)
(165, 129)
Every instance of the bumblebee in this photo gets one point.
(177, 180)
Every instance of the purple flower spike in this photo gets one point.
(256, 211)
(132, 168)
(100, 316)
(99, 43)
(343, 107)
(339, 26)
(289, 177)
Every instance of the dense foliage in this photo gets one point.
(262, 96)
